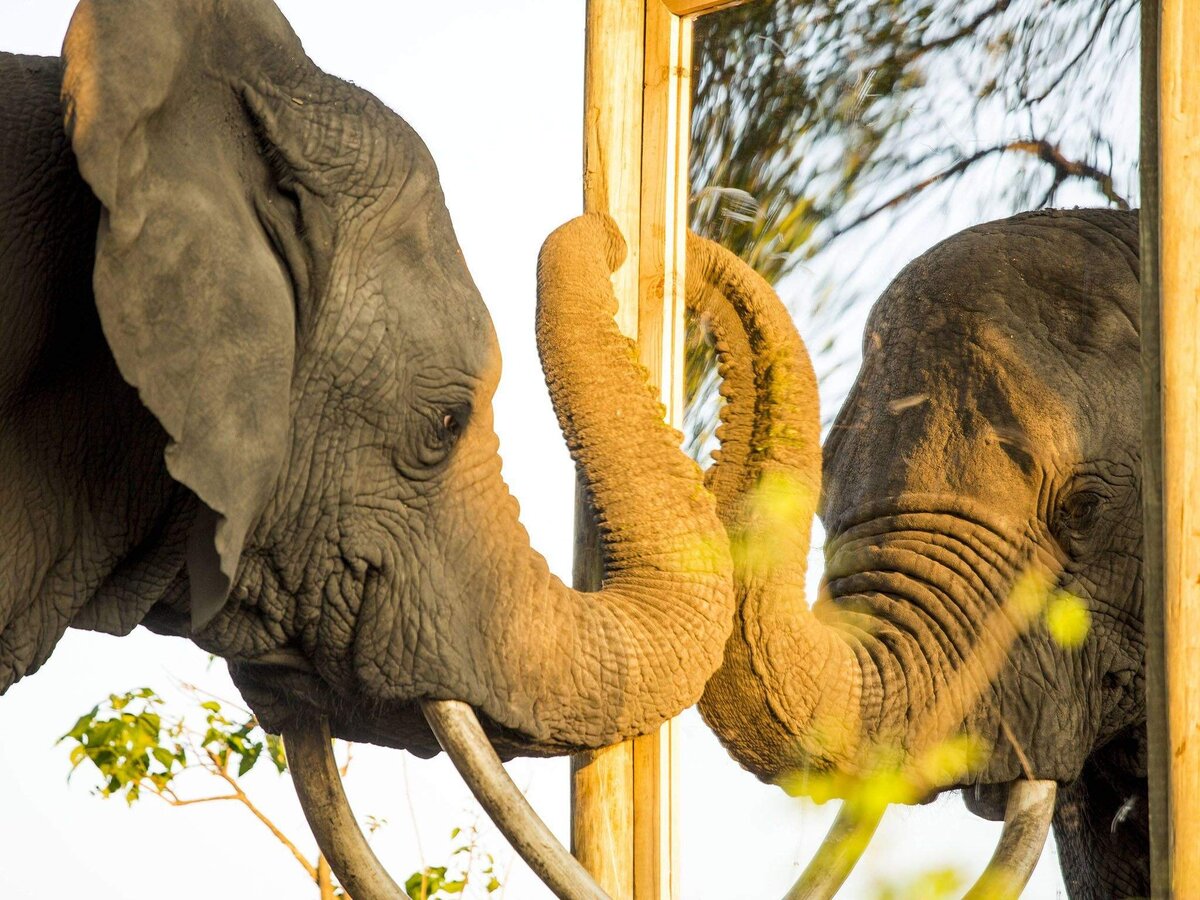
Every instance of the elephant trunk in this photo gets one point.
(932, 593)
(789, 687)
(587, 669)
(570, 669)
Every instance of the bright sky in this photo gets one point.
(495, 90)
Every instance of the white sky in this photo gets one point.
(495, 90)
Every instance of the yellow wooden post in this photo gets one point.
(602, 782)
(637, 117)
(1179, 283)
(622, 798)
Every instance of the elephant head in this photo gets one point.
(285, 448)
(982, 585)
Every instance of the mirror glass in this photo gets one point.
(832, 143)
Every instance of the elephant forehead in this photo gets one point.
(408, 298)
(1040, 309)
(450, 325)
(385, 344)
(974, 418)
(1070, 279)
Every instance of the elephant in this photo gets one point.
(979, 487)
(245, 392)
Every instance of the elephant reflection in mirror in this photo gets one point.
(981, 486)
(246, 390)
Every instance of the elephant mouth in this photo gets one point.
(285, 689)
(290, 698)
(942, 573)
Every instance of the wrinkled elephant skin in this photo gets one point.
(980, 491)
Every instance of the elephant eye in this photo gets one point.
(454, 420)
(445, 426)
(1081, 508)
(450, 424)
(1078, 513)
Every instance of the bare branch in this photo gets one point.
(241, 797)
(1067, 168)
(201, 800)
(967, 30)
(1043, 149)
(1070, 65)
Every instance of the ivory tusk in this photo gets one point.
(1026, 823)
(838, 854)
(458, 731)
(319, 787)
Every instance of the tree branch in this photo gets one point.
(325, 878)
(1043, 149)
(175, 801)
(241, 797)
(1070, 65)
(967, 30)
(1068, 168)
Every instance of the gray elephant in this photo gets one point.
(981, 483)
(245, 390)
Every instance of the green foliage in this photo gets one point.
(126, 741)
(468, 862)
(135, 748)
(241, 739)
(1068, 619)
(936, 884)
(138, 745)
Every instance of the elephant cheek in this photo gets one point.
(344, 595)
(416, 625)
(943, 592)
(387, 629)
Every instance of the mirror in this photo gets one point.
(833, 143)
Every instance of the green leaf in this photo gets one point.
(424, 884)
(82, 725)
(275, 751)
(165, 757)
(248, 761)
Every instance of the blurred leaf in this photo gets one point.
(1068, 619)
(936, 884)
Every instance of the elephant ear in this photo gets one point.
(197, 306)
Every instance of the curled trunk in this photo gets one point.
(883, 676)
(586, 669)
(790, 688)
